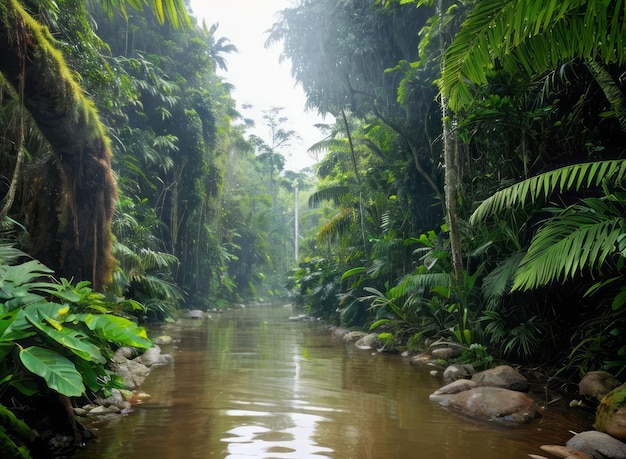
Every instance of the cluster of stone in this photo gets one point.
(133, 369)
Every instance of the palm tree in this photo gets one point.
(530, 37)
(218, 47)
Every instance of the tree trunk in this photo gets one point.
(73, 196)
(450, 154)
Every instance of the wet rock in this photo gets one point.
(368, 342)
(598, 445)
(163, 340)
(597, 384)
(494, 404)
(455, 387)
(153, 357)
(103, 410)
(79, 411)
(455, 372)
(353, 336)
(340, 332)
(299, 318)
(445, 353)
(442, 395)
(563, 451)
(502, 376)
(196, 314)
(611, 413)
(421, 358)
(124, 353)
(133, 373)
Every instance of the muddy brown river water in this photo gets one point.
(252, 384)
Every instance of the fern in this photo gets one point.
(532, 35)
(540, 187)
(580, 237)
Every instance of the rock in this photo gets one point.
(597, 384)
(455, 371)
(598, 445)
(494, 404)
(368, 342)
(353, 336)
(133, 373)
(445, 353)
(455, 387)
(163, 340)
(114, 399)
(153, 357)
(502, 376)
(611, 413)
(102, 410)
(124, 353)
(195, 314)
(421, 358)
(299, 318)
(563, 451)
(340, 332)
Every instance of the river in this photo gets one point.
(252, 384)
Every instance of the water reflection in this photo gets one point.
(251, 384)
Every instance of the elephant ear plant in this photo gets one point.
(55, 338)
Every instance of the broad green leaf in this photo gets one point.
(57, 371)
(26, 272)
(14, 326)
(74, 340)
(118, 330)
(353, 272)
(378, 323)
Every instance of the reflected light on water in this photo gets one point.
(294, 441)
(251, 384)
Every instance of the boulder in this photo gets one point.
(368, 342)
(444, 353)
(611, 413)
(455, 387)
(133, 373)
(456, 371)
(196, 314)
(443, 394)
(353, 336)
(153, 357)
(494, 404)
(597, 384)
(502, 376)
(598, 444)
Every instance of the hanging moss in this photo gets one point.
(73, 198)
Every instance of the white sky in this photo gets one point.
(255, 71)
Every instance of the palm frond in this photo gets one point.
(569, 178)
(532, 35)
(499, 281)
(331, 193)
(581, 237)
(336, 226)
(418, 283)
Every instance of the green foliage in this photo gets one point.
(548, 34)
(56, 339)
(478, 356)
(318, 284)
(541, 187)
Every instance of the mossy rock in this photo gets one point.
(611, 413)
